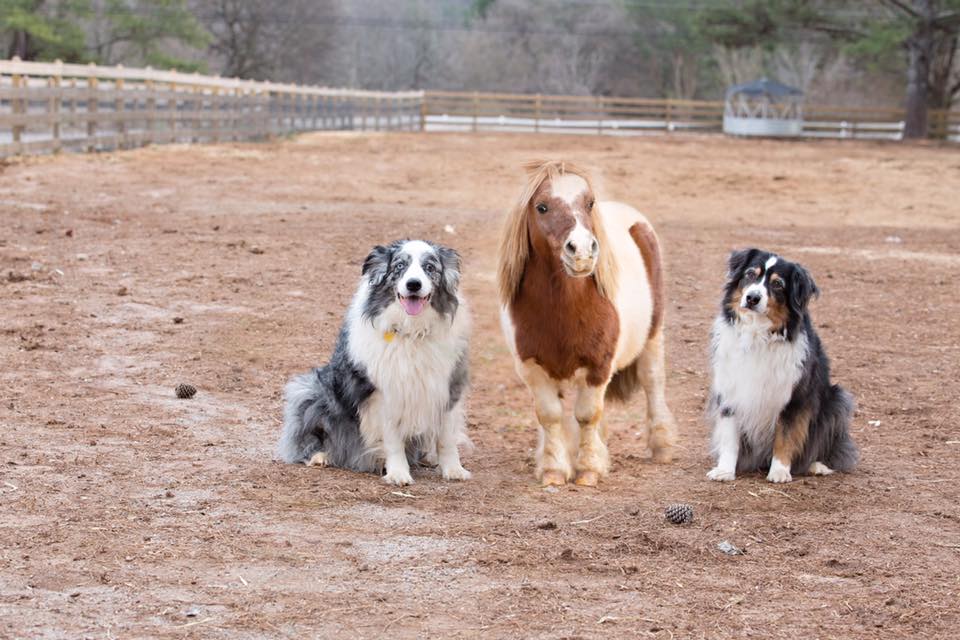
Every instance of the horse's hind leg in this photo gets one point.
(553, 458)
(593, 459)
(660, 423)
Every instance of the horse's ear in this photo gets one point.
(450, 261)
(377, 264)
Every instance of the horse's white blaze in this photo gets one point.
(582, 240)
(634, 298)
(568, 187)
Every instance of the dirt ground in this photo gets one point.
(125, 512)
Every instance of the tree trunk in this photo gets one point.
(920, 50)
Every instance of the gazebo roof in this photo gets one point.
(770, 89)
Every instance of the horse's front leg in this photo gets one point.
(593, 460)
(553, 458)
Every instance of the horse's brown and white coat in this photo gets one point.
(581, 291)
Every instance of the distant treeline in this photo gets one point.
(844, 52)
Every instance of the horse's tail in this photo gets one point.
(625, 382)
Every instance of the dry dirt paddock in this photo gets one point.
(127, 513)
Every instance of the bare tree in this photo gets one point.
(797, 65)
(739, 65)
(264, 39)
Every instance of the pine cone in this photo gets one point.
(185, 390)
(679, 513)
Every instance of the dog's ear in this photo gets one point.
(450, 261)
(802, 289)
(738, 261)
(377, 265)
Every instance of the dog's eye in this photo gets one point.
(398, 268)
(429, 268)
(777, 285)
(541, 208)
(750, 275)
(590, 205)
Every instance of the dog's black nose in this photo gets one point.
(753, 299)
(413, 284)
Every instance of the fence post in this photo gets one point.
(669, 115)
(600, 116)
(216, 108)
(119, 106)
(476, 110)
(536, 114)
(423, 111)
(173, 105)
(151, 107)
(93, 108)
(53, 109)
(18, 82)
(73, 102)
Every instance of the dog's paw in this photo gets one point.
(455, 473)
(319, 459)
(779, 474)
(820, 469)
(398, 477)
(721, 475)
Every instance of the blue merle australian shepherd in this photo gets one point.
(772, 403)
(392, 393)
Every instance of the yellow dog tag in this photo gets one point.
(389, 335)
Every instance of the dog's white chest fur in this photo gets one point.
(410, 361)
(754, 372)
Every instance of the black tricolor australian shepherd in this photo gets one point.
(771, 402)
(392, 394)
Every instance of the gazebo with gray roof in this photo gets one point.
(763, 108)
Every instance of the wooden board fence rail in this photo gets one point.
(46, 107)
(51, 106)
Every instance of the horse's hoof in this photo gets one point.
(588, 479)
(553, 478)
(663, 456)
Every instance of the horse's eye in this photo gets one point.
(541, 208)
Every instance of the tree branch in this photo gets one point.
(947, 22)
(902, 6)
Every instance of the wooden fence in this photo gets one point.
(52, 106)
(458, 111)
(46, 107)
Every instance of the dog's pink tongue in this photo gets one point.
(412, 305)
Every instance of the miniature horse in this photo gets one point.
(581, 294)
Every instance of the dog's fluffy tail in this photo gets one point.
(300, 438)
(840, 452)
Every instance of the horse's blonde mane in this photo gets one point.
(515, 237)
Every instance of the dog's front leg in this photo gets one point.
(448, 453)
(398, 469)
(726, 446)
(789, 440)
